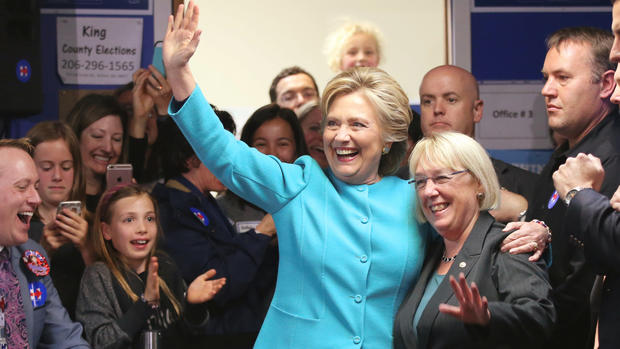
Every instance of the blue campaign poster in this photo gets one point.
(52, 84)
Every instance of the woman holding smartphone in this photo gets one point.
(63, 231)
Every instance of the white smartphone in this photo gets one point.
(75, 206)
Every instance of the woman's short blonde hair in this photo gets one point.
(337, 41)
(390, 101)
(456, 151)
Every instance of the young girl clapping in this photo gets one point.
(133, 287)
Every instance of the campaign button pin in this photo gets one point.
(38, 293)
(201, 216)
(36, 262)
(554, 198)
(23, 70)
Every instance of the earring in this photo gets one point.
(480, 196)
(386, 150)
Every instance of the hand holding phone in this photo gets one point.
(75, 206)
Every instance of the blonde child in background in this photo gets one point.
(134, 287)
(354, 44)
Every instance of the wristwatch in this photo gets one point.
(571, 194)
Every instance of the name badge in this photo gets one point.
(244, 226)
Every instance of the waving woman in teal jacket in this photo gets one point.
(350, 247)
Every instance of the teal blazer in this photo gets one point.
(348, 253)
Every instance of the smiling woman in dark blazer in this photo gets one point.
(469, 295)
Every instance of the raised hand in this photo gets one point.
(142, 101)
(159, 89)
(180, 43)
(472, 308)
(202, 289)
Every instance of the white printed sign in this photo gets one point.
(514, 117)
(98, 50)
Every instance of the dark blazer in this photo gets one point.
(246, 260)
(518, 291)
(597, 226)
(49, 325)
(514, 178)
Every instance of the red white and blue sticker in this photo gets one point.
(35, 261)
(38, 294)
(554, 198)
(23, 70)
(200, 215)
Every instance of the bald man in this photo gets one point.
(450, 101)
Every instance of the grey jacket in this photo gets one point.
(518, 291)
(98, 309)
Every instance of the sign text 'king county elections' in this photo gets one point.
(98, 50)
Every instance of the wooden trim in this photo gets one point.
(175, 5)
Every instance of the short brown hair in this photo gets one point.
(599, 41)
(390, 101)
(286, 72)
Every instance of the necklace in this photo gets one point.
(445, 259)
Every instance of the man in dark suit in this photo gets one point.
(597, 228)
(596, 218)
(31, 314)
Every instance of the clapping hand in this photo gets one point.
(472, 308)
(151, 289)
(202, 289)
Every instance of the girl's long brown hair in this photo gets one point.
(106, 252)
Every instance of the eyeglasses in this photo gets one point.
(420, 182)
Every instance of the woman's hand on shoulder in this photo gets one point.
(472, 309)
(202, 289)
